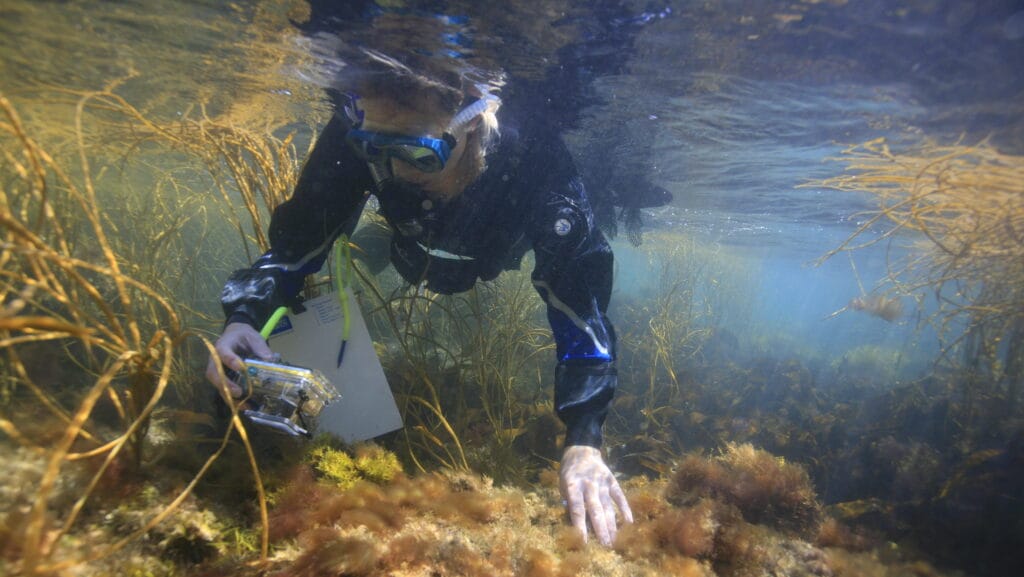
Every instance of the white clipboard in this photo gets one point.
(312, 339)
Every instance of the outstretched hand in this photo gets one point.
(591, 492)
(237, 340)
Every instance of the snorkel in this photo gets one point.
(485, 103)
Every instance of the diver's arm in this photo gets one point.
(327, 200)
(574, 277)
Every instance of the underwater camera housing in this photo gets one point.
(287, 399)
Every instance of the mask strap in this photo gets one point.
(381, 172)
(353, 113)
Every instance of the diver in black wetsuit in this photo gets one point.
(463, 203)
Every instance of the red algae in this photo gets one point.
(461, 558)
(408, 550)
(567, 538)
(690, 531)
(540, 564)
(301, 495)
(766, 489)
(684, 567)
(638, 541)
(329, 553)
(833, 533)
(646, 499)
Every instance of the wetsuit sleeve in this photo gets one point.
(327, 200)
(573, 275)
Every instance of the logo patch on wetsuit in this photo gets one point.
(563, 227)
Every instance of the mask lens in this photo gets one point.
(423, 153)
(421, 157)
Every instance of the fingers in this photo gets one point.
(577, 508)
(598, 518)
(237, 339)
(586, 500)
(592, 493)
(257, 345)
(231, 360)
(608, 512)
(215, 374)
(620, 501)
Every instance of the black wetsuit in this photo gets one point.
(530, 197)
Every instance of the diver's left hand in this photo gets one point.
(591, 491)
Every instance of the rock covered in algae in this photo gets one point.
(459, 523)
(751, 514)
(764, 488)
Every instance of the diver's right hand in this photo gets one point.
(238, 341)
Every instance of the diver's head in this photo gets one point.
(426, 131)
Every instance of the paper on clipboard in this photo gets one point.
(312, 338)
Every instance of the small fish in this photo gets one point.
(881, 306)
(645, 196)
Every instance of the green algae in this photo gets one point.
(370, 463)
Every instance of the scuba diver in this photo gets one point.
(463, 201)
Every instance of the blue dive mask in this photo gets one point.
(424, 153)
